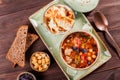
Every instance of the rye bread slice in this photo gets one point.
(16, 53)
(31, 38)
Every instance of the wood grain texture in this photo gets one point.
(12, 6)
(14, 13)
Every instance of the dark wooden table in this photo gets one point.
(14, 13)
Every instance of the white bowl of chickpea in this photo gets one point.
(40, 61)
(79, 50)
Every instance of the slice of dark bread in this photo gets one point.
(31, 38)
(16, 53)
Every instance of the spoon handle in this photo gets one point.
(114, 42)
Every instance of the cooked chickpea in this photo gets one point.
(36, 66)
(33, 58)
(93, 56)
(68, 40)
(40, 68)
(39, 57)
(45, 66)
(46, 59)
(43, 61)
(82, 61)
(43, 55)
(89, 54)
(82, 46)
(33, 62)
(73, 65)
(39, 61)
(80, 53)
(89, 58)
(36, 55)
(93, 52)
(90, 50)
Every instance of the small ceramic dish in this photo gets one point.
(82, 5)
(40, 61)
(59, 18)
(26, 76)
(79, 50)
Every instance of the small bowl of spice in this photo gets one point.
(26, 76)
(40, 61)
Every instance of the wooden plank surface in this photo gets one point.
(14, 13)
(12, 6)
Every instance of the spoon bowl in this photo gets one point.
(100, 21)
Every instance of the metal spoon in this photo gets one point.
(102, 23)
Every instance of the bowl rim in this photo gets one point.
(42, 53)
(98, 54)
(25, 73)
(63, 5)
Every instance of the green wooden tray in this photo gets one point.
(52, 41)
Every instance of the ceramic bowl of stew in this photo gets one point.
(79, 50)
